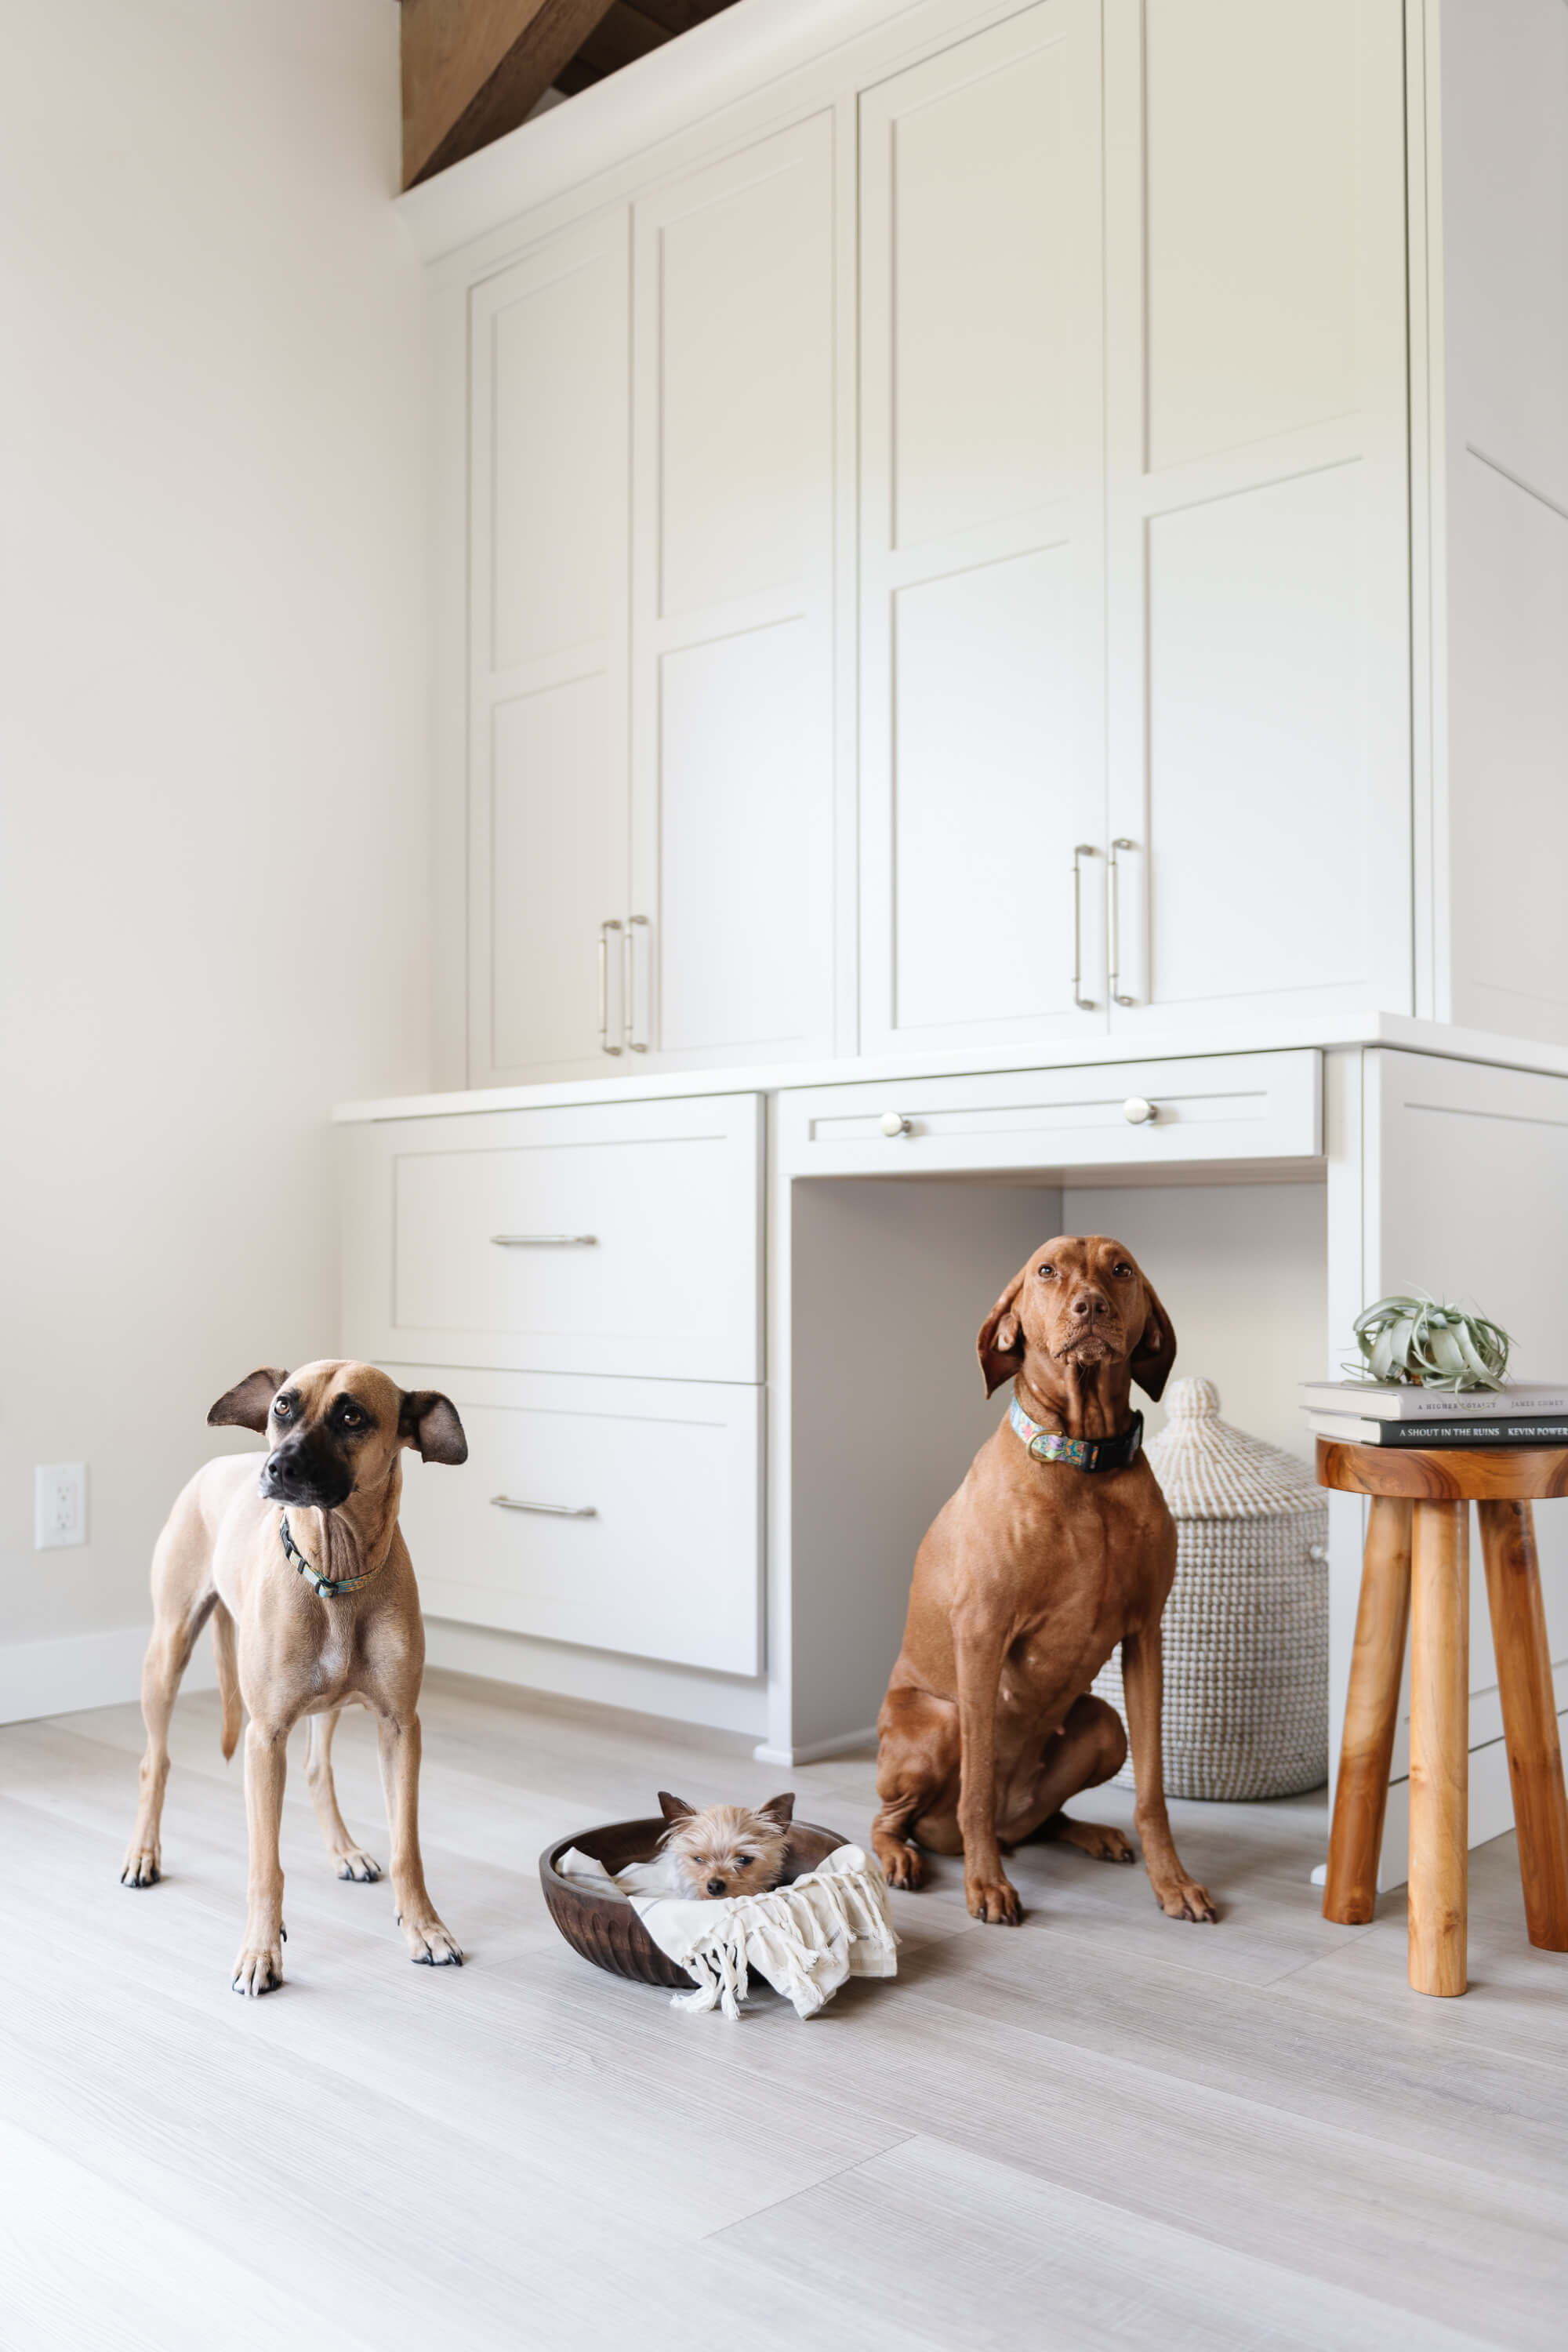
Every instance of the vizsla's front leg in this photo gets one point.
(260, 1968)
(1143, 1685)
(989, 1893)
(429, 1943)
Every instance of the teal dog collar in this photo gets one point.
(1082, 1452)
(325, 1587)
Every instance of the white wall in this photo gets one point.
(213, 818)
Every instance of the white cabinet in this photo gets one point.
(1235, 1109)
(651, 746)
(732, 600)
(616, 1514)
(1029, 521)
(614, 1238)
(981, 676)
(1257, 500)
(547, 650)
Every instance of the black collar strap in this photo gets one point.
(325, 1587)
(1082, 1452)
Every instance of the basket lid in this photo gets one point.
(1209, 1470)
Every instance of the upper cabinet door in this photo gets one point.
(550, 435)
(982, 541)
(1258, 599)
(730, 916)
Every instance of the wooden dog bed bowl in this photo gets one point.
(606, 1930)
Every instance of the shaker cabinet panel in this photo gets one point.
(1257, 507)
(618, 1514)
(1259, 749)
(548, 386)
(1252, 179)
(986, 715)
(557, 830)
(982, 538)
(731, 908)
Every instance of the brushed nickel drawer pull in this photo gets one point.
(545, 1241)
(605, 930)
(548, 1510)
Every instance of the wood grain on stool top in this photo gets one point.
(1530, 1717)
(1371, 1714)
(1520, 1474)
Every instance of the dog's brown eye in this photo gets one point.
(1047, 1273)
(1124, 1269)
(743, 1861)
(351, 1418)
(282, 1410)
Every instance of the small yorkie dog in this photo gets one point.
(725, 1850)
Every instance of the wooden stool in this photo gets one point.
(1417, 1570)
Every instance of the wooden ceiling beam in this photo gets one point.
(474, 69)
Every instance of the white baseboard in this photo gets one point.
(816, 1751)
(604, 1677)
(82, 1670)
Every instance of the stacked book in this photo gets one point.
(1360, 1412)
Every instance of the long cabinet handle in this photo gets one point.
(1082, 850)
(1113, 919)
(605, 928)
(550, 1511)
(545, 1241)
(634, 1043)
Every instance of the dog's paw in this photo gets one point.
(1184, 1898)
(430, 1945)
(359, 1867)
(1096, 1839)
(902, 1866)
(994, 1900)
(258, 1969)
(141, 1866)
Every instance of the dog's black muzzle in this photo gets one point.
(308, 1471)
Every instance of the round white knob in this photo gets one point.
(1136, 1112)
(893, 1122)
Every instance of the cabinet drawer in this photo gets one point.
(1233, 1107)
(643, 1530)
(610, 1238)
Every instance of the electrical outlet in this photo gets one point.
(60, 1505)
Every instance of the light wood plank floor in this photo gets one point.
(1104, 2129)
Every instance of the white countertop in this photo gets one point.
(1248, 1036)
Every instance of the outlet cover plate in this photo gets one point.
(60, 1505)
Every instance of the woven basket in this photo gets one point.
(1247, 1625)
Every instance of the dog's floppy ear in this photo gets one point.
(1000, 1346)
(247, 1406)
(429, 1421)
(1156, 1350)
(673, 1809)
(780, 1810)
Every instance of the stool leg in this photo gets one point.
(1439, 1746)
(1528, 1718)
(1372, 1710)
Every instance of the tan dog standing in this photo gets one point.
(1028, 1578)
(314, 1607)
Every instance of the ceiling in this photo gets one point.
(474, 69)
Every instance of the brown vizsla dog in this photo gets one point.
(1027, 1580)
(314, 1609)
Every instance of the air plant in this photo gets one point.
(1423, 1341)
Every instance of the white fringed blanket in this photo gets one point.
(806, 1938)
